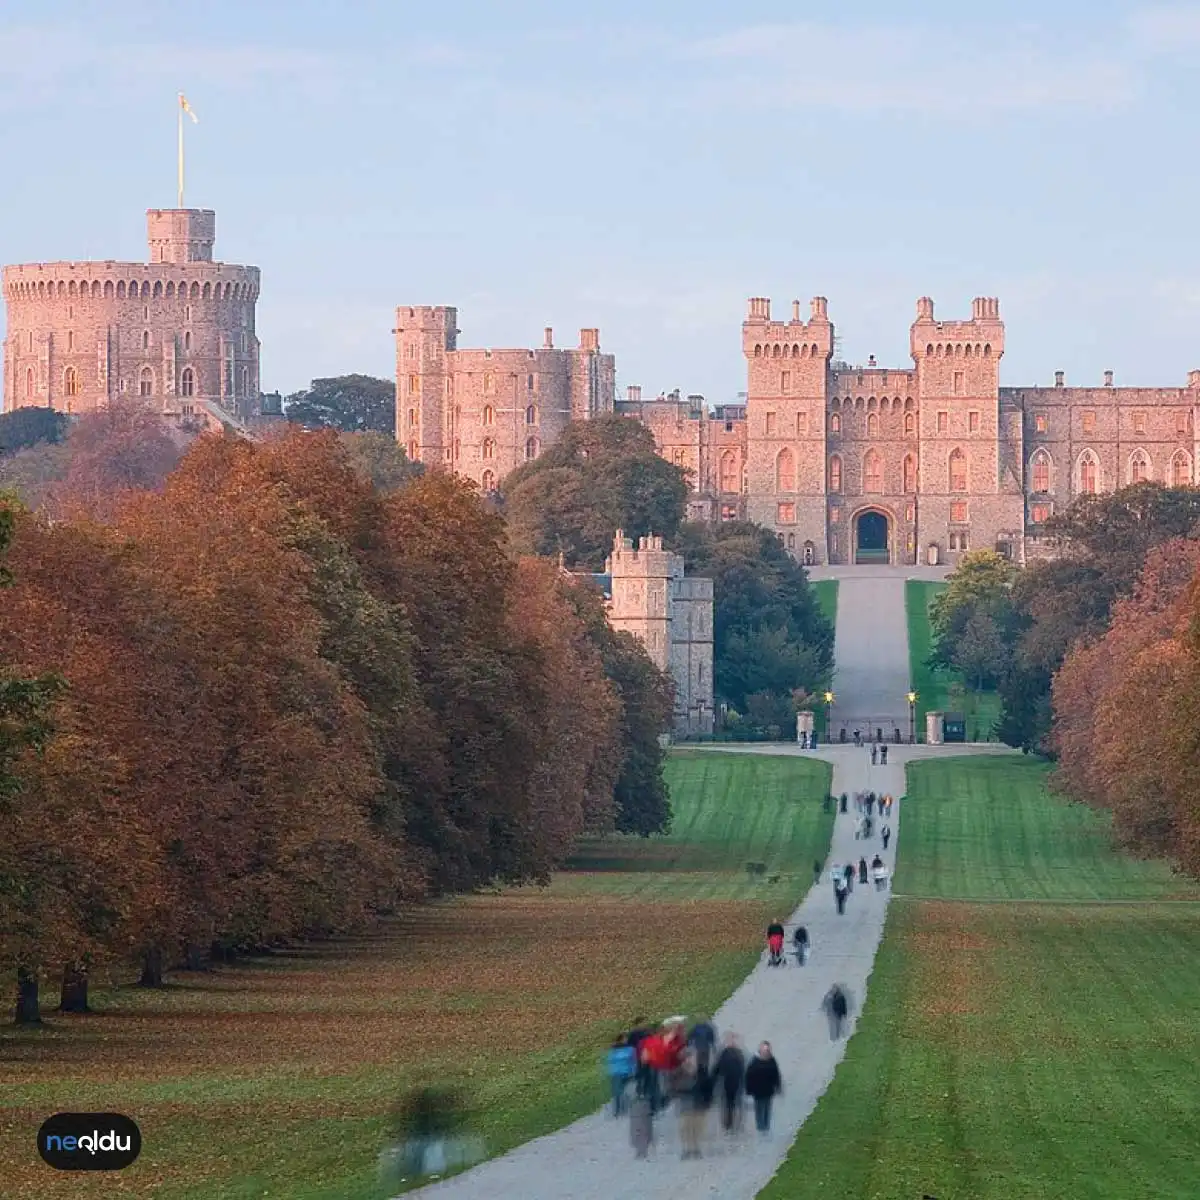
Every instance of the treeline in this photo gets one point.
(269, 698)
(1094, 655)
(773, 646)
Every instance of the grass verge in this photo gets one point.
(1035, 1046)
(276, 1077)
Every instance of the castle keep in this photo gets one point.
(178, 330)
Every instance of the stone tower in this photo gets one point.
(787, 385)
(178, 331)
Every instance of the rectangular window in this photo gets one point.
(1039, 514)
(529, 383)
(785, 381)
(958, 383)
(1181, 423)
(1039, 422)
(910, 513)
(728, 512)
(973, 422)
(958, 512)
(786, 515)
(943, 424)
(489, 383)
(1089, 424)
(414, 385)
(1139, 422)
(801, 424)
(835, 514)
(770, 424)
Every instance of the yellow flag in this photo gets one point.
(187, 108)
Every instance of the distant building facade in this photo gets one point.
(869, 464)
(648, 594)
(178, 331)
(482, 413)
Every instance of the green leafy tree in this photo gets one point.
(981, 583)
(381, 459)
(351, 403)
(30, 426)
(600, 476)
(979, 653)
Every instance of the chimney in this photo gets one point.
(1058, 378)
(1108, 379)
(924, 309)
(1194, 379)
(548, 344)
(820, 308)
(589, 339)
(871, 361)
(633, 393)
(760, 309)
(795, 310)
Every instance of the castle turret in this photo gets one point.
(181, 235)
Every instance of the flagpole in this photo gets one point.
(180, 149)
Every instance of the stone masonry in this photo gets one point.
(482, 413)
(178, 330)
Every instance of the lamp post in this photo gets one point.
(912, 717)
(828, 717)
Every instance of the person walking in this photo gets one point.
(837, 1008)
(816, 870)
(886, 834)
(622, 1066)
(849, 875)
(840, 892)
(703, 1040)
(800, 941)
(763, 1084)
(729, 1076)
(862, 871)
(878, 873)
(687, 1085)
(641, 1125)
(843, 802)
(874, 754)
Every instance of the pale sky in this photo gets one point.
(644, 167)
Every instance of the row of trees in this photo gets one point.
(773, 646)
(269, 697)
(1095, 656)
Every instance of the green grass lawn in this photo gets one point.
(942, 691)
(1020, 1040)
(827, 596)
(277, 1077)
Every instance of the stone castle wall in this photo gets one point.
(482, 413)
(178, 330)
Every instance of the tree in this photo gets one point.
(34, 473)
(769, 632)
(601, 475)
(379, 458)
(980, 585)
(30, 426)
(351, 403)
(980, 653)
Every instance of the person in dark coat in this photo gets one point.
(886, 833)
(763, 1084)
(862, 871)
(634, 1038)
(849, 873)
(703, 1040)
(844, 802)
(730, 1077)
(840, 892)
(816, 870)
(800, 941)
(837, 1008)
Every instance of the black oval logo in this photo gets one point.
(89, 1141)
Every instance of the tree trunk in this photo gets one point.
(74, 994)
(152, 968)
(29, 1010)
(193, 958)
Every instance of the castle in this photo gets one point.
(845, 464)
(178, 330)
(648, 595)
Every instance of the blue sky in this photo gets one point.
(641, 167)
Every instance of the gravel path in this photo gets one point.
(592, 1159)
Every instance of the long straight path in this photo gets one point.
(592, 1158)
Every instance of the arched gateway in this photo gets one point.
(872, 536)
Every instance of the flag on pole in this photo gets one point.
(187, 108)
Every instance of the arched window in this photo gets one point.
(729, 472)
(1181, 470)
(71, 382)
(489, 482)
(245, 381)
(872, 472)
(775, 352)
(531, 415)
(1088, 482)
(489, 448)
(835, 474)
(187, 340)
(958, 471)
(531, 449)
(758, 350)
(1139, 467)
(1039, 472)
(146, 339)
(187, 382)
(412, 451)
(910, 423)
(835, 424)
(910, 473)
(489, 415)
(146, 382)
(29, 383)
(872, 425)
(785, 471)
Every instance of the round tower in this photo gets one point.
(178, 330)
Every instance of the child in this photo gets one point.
(622, 1065)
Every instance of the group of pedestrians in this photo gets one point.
(652, 1068)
